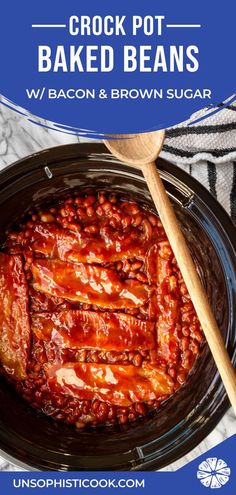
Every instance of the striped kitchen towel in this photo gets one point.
(213, 138)
(207, 150)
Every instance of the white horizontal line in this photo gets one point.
(48, 25)
(183, 25)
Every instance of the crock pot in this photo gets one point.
(37, 442)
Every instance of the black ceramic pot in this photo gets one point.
(35, 441)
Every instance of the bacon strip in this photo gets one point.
(108, 246)
(168, 301)
(88, 284)
(14, 317)
(168, 347)
(157, 262)
(164, 303)
(115, 384)
(77, 329)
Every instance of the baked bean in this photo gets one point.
(38, 396)
(113, 198)
(71, 418)
(81, 214)
(60, 401)
(69, 201)
(132, 274)
(194, 346)
(86, 306)
(123, 419)
(133, 208)
(81, 355)
(185, 343)
(90, 200)
(142, 277)
(186, 331)
(60, 416)
(101, 198)
(137, 220)
(95, 406)
(13, 236)
(90, 211)
(94, 357)
(187, 359)
(86, 406)
(80, 424)
(165, 250)
(91, 229)
(132, 416)
(172, 372)
(136, 265)
(122, 410)
(30, 224)
(187, 308)
(144, 353)
(75, 227)
(111, 412)
(196, 334)
(187, 317)
(137, 360)
(173, 283)
(183, 289)
(99, 211)
(126, 266)
(64, 212)
(102, 412)
(72, 210)
(147, 228)
(140, 409)
(113, 223)
(117, 217)
(152, 355)
(107, 206)
(126, 221)
(133, 311)
(153, 220)
(181, 377)
(39, 382)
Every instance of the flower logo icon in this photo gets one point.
(213, 473)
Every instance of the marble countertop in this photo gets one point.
(19, 138)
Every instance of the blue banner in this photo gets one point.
(213, 470)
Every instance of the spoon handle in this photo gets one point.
(192, 280)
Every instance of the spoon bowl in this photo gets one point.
(137, 149)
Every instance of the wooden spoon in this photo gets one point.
(141, 150)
